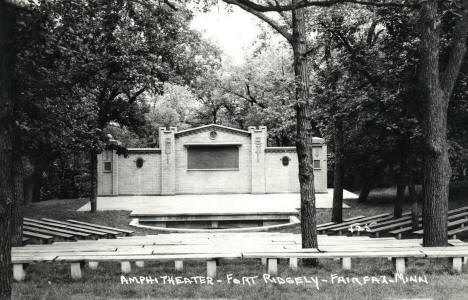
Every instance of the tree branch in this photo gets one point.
(284, 15)
(132, 98)
(249, 98)
(359, 62)
(457, 52)
(322, 3)
(280, 29)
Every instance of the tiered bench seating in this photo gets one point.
(404, 226)
(123, 231)
(452, 232)
(321, 227)
(212, 247)
(344, 227)
(386, 224)
(325, 228)
(45, 231)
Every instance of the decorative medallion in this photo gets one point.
(285, 161)
(213, 134)
(139, 162)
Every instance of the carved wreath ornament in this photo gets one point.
(139, 162)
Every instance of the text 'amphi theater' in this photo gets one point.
(207, 160)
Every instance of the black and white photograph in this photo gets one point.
(234, 149)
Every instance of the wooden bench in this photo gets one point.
(454, 213)
(452, 224)
(88, 229)
(403, 224)
(319, 226)
(70, 227)
(124, 231)
(460, 209)
(373, 222)
(49, 230)
(398, 256)
(454, 232)
(37, 237)
(77, 261)
(54, 234)
(55, 229)
(328, 227)
(213, 247)
(455, 254)
(399, 232)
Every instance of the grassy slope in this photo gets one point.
(52, 281)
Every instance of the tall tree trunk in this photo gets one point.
(17, 210)
(304, 132)
(33, 185)
(338, 173)
(7, 58)
(28, 187)
(399, 198)
(93, 181)
(414, 200)
(436, 168)
(401, 187)
(366, 187)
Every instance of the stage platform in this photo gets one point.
(213, 203)
(213, 210)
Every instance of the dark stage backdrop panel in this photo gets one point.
(213, 157)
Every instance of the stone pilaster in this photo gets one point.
(168, 170)
(115, 173)
(258, 145)
(100, 189)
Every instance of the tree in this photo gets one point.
(7, 60)
(436, 86)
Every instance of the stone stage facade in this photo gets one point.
(210, 159)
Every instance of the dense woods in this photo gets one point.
(386, 86)
(363, 66)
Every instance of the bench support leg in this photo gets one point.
(264, 260)
(75, 270)
(125, 267)
(293, 263)
(465, 260)
(272, 266)
(93, 265)
(18, 272)
(211, 268)
(346, 263)
(400, 265)
(140, 264)
(457, 264)
(179, 265)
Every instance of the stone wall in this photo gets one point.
(140, 181)
(164, 171)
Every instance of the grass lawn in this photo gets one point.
(52, 281)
